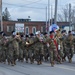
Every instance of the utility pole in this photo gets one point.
(55, 15)
(48, 14)
(1, 25)
(46, 19)
(69, 16)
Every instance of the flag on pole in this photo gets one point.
(53, 27)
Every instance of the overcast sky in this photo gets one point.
(36, 9)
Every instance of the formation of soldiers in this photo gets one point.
(53, 47)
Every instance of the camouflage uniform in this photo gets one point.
(0, 48)
(16, 48)
(38, 50)
(52, 50)
(10, 52)
(26, 50)
(60, 46)
(64, 46)
(46, 53)
(69, 44)
(4, 49)
(31, 49)
(21, 48)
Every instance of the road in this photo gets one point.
(23, 68)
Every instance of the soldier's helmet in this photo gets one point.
(44, 33)
(51, 32)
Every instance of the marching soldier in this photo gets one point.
(10, 52)
(21, 48)
(31, 48)
(60, 45)
(64, 45)
(4, 48)
(46, 47)
(38, 48)
(69, 42)
(16, 47)
(0, 47)
(26, 51)
(53, 48)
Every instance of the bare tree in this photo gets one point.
(64, 15)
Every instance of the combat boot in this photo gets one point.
(70, 60)
(63, 60)
(52, 64)
(8, 63)
(14, 62)
(40, 62)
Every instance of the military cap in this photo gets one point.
(45, 33)
(69, 31)
(51, 32)
(27, 36)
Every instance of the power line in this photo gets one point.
(22, 6)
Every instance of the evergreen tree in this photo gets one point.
(6, 15)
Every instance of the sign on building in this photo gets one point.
(19, 27)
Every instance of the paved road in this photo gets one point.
(33, 69)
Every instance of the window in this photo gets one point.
(10, 28)
(27, 30)
(34, 30)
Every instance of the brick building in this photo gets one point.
(29, 26)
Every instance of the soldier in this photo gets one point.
(64, 46)
(31, 48)
(10, 52)
(46, 53)
(60, 45)
(16, 47)
(26, 51)
(4, 48)
(53, 48)
(69, 42)
(38, 48)
(21, 48)
(0, 46)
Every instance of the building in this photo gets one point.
(29, 26)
